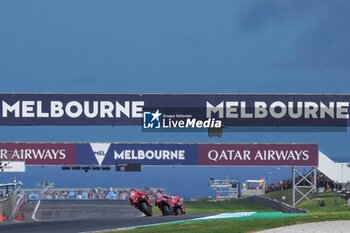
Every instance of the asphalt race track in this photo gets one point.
(84, 209)
(84, 216)
(87, 225)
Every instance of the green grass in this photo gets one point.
(234, 226)
(224, 207)
(333, 204)
(334, 210)
(198, 207)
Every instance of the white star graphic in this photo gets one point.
(156, 115)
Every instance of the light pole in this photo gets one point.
(270, 173)
(280, 181)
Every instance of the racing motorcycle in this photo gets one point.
(141, 201)
(169, 205)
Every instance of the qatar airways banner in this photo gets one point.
(39, 153)
(167, 111)
(258, 154)
(227, 154)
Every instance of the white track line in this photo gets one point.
(139, 226)
(109, 230)
(35, 210)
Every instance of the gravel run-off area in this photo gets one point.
(326, 227)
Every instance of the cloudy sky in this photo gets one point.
(175, 46)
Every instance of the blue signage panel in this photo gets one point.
(175, 110)
(144, 153)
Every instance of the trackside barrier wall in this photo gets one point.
(276, 205)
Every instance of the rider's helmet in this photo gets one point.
(131, 192)
(176, 197)
(159, 195)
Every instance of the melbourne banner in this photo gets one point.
(167, 111)
(98, 154)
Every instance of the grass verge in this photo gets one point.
(334, 210)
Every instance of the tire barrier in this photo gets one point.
(2, 217)
(7, 206)
(19, 217)
(17, 213)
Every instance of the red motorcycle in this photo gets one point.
(170, 205)
(141, 201)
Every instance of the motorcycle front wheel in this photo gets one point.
(147, 210)
(166, 210)
(178, 211)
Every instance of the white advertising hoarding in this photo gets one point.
(12, 166)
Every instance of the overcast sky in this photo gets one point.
(175, 46)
